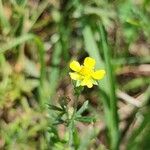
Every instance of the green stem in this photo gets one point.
(71, 123)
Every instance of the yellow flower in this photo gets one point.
(85, 74)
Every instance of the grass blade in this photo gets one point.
(93, 51)
(15, 42)
(3, 19)
(112, 95)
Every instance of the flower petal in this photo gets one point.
(90, 85)
(75, 66)
(89, 62)
(87, 82)
(74, 76)
(98, 74)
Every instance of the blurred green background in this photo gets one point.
(38, 39)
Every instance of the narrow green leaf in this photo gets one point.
(112, 93)
(55, 108)
(83, 108)
(85, 119)
(3, 19)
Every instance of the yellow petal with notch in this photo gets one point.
(74, 76)
(99, 74)
(75, 66)
(89, 62)
(87, 82)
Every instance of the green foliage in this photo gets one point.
(38, 109)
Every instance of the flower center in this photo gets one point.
(86, 71)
